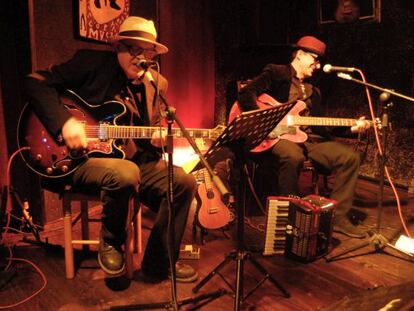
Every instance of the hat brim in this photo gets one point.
(158, 47)
(298, 47)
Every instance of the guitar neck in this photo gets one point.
(104, 131)
(319, 121)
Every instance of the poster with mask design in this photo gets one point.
(99, 20)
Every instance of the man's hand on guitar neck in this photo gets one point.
(73, 132)
(159, 138)
(361, 125)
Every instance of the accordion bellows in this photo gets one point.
(299, 228)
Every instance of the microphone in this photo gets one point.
(145, 64)
(328, 68)
(344, 76)
(149, 76)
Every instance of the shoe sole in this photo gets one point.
(111, 272)
(189, 279)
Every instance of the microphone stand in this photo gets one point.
(204, 299)
(375, 237)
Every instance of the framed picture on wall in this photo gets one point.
(349, 11)
(99, 20)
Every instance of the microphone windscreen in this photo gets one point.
(327, 68)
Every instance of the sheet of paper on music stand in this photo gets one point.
(405, 244)
(249, 128)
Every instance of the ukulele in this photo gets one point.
(213, 213)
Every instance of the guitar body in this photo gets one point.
(50, 158)
(282, 130)
(104, 132)
(289, 126)
(213, 213)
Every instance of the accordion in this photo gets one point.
(299, 228)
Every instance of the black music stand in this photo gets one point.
(243, 134)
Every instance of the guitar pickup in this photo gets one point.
(103, 131)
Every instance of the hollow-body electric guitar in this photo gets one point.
(212, 213)
(51, 158)
(289, 127)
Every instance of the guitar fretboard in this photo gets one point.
(104, 131)
(316, 121)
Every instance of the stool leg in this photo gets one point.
(315, 179)
(138, 231)
(67, 233)
(85, 224)
(129, 242)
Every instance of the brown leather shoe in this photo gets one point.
(185, 273)
(110, 258)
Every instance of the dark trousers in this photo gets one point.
(116, 180)
(284, 162)
(334, 156)
(153, 193)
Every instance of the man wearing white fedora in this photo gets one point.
(99, 76)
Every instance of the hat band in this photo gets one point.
(135, 33)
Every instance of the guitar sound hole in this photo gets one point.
(210, 195)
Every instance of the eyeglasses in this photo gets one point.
(314, 56)
(134, 50)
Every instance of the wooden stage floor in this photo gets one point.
(363, 280)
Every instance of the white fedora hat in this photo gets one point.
(139, 29)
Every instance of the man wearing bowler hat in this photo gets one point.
(288, 83)
(99, 76)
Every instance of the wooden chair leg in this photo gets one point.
(129, 254)
(133, 241)
(315, 181)
(84, 224)
(133, 237)
(138, 231)
(67, 233)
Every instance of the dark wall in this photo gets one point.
(385, 53)
(14, 64)
(250, 34)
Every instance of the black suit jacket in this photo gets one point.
(94, 75)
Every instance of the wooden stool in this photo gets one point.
(309, 166)
(133, 231)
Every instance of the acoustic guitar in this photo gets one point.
(289, 127)
(213, 213)
(51, 158)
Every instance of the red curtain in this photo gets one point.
(186, 28)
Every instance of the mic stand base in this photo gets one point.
(240, 257)
(375, 239)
